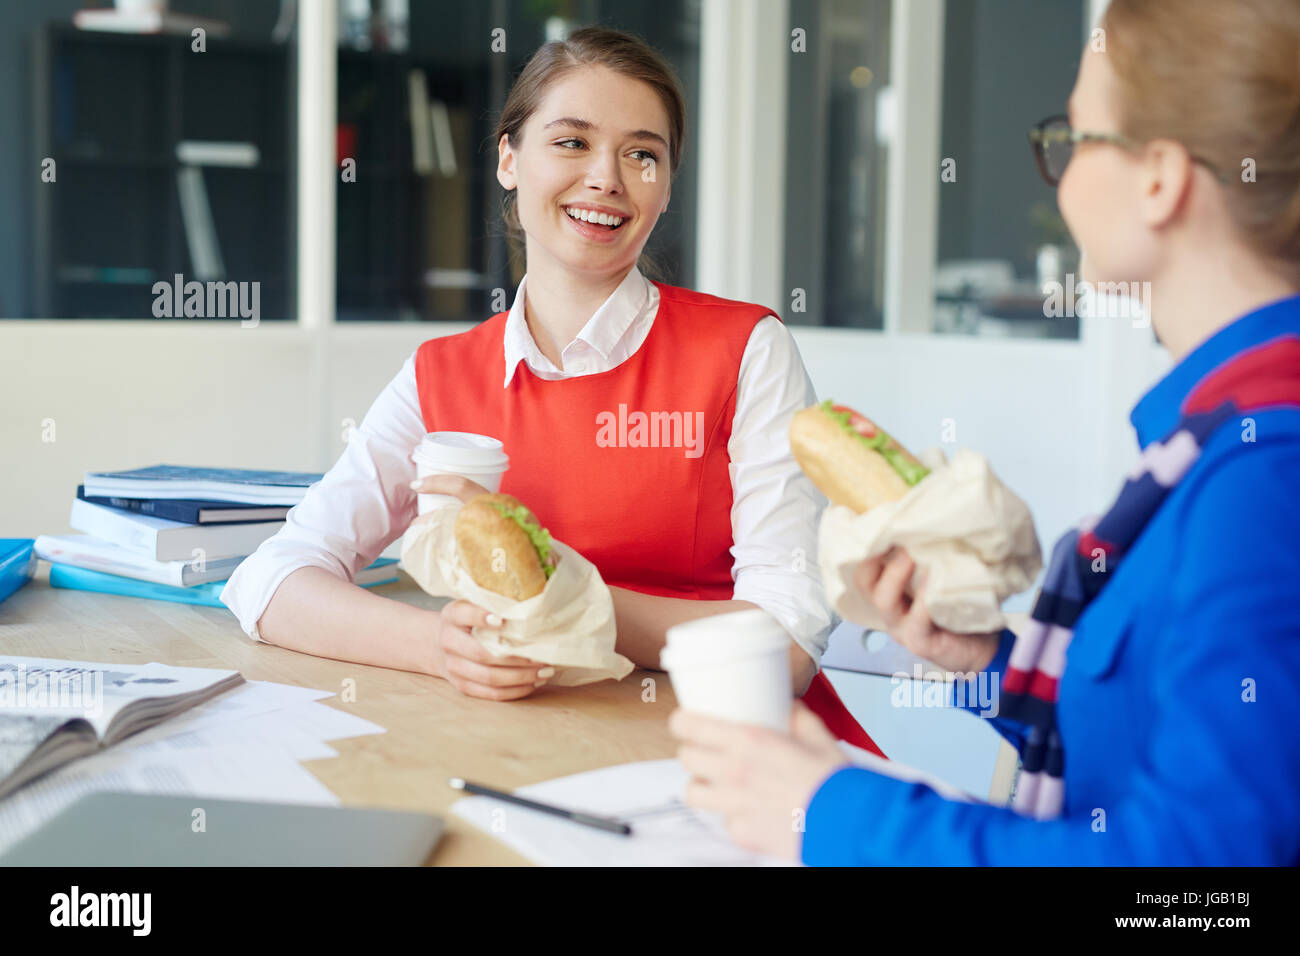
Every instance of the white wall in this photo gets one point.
(130, 394)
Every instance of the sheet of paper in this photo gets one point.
(260, 731)
(242, 745)
(328, 723)
(238, 772)
(300, 728)
(249, 699)
(646, 795)
(258, 696)
(258, 712)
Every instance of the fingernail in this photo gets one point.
(546, 672)
(415, 485)
(494, 621)
(539, 683)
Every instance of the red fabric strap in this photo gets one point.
(826, 704)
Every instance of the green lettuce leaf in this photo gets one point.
(539, 536)
(910, 472)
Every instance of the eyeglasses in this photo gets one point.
(1053, 141)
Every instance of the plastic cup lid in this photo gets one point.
(460, 450)
(723, 637)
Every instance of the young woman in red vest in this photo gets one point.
(707, 515)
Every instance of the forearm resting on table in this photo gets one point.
(318, 613)
(643, 621)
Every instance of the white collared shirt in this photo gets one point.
(610, 337)
(364, 503)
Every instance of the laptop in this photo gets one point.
(137, 829)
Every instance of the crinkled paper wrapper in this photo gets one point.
(972, 534)
(570, 625)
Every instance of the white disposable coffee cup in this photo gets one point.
(479, 458)
(735, 666)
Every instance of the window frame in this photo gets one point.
(740, 238)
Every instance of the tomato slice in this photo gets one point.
(858, 422)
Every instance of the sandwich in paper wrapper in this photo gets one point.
(961, 524)
(569, 625)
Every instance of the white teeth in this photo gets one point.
(600, 218)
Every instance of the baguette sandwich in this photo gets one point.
(850, 459)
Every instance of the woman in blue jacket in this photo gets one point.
(1156, 695)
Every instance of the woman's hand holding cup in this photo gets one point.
(478, 461)
(882, 581)
(454, 485)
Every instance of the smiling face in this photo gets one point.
(592, 171)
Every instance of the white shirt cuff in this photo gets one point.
(256, 579)
(795, 600)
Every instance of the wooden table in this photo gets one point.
(434, 732)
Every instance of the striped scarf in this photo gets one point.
(1085, 558)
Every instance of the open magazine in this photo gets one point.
(54, 711)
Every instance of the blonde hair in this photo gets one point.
(1222, 79)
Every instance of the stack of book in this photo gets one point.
(175, 533)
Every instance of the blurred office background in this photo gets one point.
(860, 166)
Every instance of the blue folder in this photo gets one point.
(17, 564)
(209, 594)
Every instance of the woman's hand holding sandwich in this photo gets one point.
(474, 670)
(860, 466)
(641, 619)
(883, 581)
(465, 663)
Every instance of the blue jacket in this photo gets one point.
(1179, 707)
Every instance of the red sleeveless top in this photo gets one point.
(629, 466)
